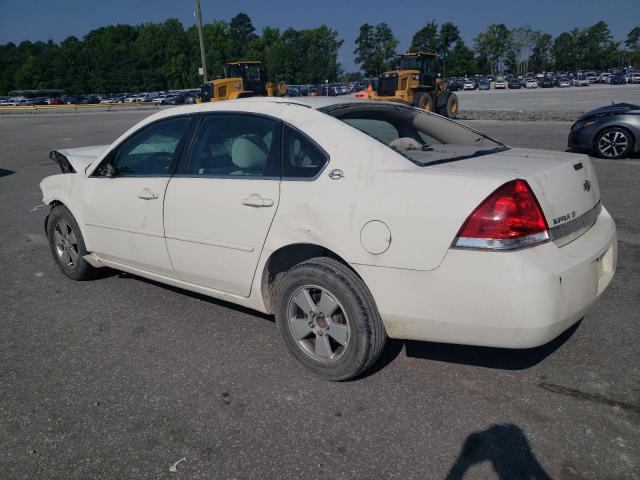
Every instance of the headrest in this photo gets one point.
(249, 153)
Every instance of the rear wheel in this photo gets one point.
(613, 143)
(67, 244)
(328, 319)
(424, 101)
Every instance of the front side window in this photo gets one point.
(301, 157)
(152, 151)
(235, 146)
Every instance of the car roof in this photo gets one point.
(316, 103)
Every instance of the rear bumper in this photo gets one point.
(516, 299)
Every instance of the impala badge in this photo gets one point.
(586, 185)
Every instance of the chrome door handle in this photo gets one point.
(147, 194)
(255, 200)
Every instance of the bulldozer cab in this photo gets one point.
(252, 74)
(423, 63)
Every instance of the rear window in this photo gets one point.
(302, 158)
(420, 136)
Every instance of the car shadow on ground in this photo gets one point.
(496, 358)
(506, 447)
(109, 273)
(4, 173)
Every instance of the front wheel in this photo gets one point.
(613, 143)
(450, 108)
(67, 244)
(423, 101)
(328, 319)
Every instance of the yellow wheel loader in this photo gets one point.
(241, 80)
(415, 83)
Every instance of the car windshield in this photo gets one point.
(420, 136)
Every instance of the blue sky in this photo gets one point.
(57, 19)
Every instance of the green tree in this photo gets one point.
(565, 50)
(240, 35)
(493, 46)
(460, 61)
(426, 39)
(633, 44)
(376, 48)
(541, 57)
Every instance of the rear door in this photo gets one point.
(220, 205)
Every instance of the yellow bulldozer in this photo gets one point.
(415, 83)
(241, 80)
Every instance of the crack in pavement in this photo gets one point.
(592, 397)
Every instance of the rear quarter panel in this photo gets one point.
(423, 207)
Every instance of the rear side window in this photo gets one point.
(302, 158)
(235, 146)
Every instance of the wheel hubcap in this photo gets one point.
(66, 244)
(318, 323)
(613, 143)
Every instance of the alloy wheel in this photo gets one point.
(66, 244)
(318, 323)
(613, 143)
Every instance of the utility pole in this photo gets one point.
(198, 15)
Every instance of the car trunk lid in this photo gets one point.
(564, 184)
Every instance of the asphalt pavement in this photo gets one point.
(122, 377)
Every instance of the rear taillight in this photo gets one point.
(508, 219)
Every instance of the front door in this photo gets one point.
(124, 197)
(219, 209)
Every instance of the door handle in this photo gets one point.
(255, 200)
(147, 194)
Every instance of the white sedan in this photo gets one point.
(350, 220)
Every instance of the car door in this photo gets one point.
(124, 197)
(219, 206)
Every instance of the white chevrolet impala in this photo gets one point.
(351, 221)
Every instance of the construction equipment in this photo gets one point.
(241, 80)
(415, 83)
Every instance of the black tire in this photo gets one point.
(367, 335)
(618, 150)
(80, 268)
(424, 101)
(450, 108)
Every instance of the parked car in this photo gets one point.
(514, 83)
(469, 85)
(531, 83)
(499, 83)
(547, 82)
(616, 80)
(608, 132)
(253, 213)
(484, 84)
(563, 82)
(580, 81)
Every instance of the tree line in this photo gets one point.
(163, 56)
(499, 49)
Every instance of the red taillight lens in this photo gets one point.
(508, 218)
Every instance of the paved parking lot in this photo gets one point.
(572, 99)
(122, 377)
